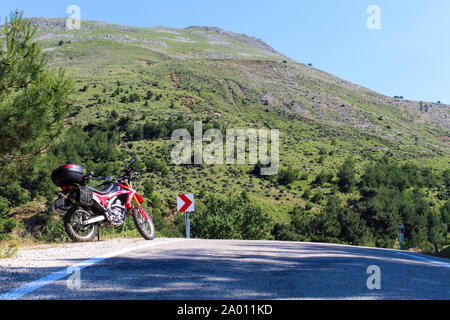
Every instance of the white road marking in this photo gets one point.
(58, 275)
(424, 259)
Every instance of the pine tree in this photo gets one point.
(33, 100)
(346, 176)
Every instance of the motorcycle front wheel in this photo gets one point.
(146, 228)
(73, 223)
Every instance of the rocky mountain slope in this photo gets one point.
(239, 81)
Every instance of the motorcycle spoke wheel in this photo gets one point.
(74, 225)
(146, 228)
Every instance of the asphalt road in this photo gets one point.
(222, 269)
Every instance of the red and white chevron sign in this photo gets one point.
(185, 202)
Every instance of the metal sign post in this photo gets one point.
(188, 226)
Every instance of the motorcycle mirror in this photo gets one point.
(108, 179)
(133, 160)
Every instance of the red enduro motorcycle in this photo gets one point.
(85, 208)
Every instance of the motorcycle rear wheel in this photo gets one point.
(73, 227)
(146, 228)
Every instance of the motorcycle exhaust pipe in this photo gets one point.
(94, 220)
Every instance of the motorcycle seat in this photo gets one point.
(104, 191)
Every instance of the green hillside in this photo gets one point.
(166, 78)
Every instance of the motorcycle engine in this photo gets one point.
(117, 213)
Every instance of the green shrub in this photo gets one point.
(346, 176)
(231, 217)
(287, 176)
(15, 194)
(317, 197)
(51, 228)
(154, 165)
(158, 220)
(7, 225)
(322, 178)
(285, 232)
(148, 188)
(4, 206)
(445, 252)
(306, 194)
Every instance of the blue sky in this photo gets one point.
(409, 56)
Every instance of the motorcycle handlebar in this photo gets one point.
(85, 179)
(129, 172)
